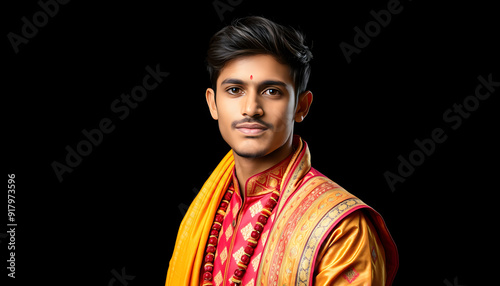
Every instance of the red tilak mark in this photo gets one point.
(251, 77)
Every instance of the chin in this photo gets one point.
(250, 154)
(251, 150)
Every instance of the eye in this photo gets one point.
(272, 92)
(234, 90)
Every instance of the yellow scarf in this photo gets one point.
(185, 265)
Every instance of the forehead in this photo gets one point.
(260, 67)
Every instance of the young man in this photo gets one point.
(265, 216)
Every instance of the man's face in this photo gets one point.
(255, 105)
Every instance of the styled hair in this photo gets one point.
(257, 35)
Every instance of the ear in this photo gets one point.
(210, 96)
(303, 104)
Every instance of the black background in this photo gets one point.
(121, 206)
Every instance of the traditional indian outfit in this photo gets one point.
(291, 225)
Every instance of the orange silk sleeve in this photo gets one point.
(351, 255)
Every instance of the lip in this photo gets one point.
(251, 128)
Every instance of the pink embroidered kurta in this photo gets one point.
(241, 216)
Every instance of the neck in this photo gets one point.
(247, 167)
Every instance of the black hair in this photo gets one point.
(257, 35)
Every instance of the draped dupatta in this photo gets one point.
(185, 265)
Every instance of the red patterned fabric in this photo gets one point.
(241, 216)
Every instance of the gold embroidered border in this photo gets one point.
(298, 239)
(277, 234)
(299, 172)
(307, 257)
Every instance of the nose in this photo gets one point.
(251, 105)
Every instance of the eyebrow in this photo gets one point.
(232, 81)
(273, 82)
(263, 83)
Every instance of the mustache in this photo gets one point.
(252, 120)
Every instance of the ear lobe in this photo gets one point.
(212, 106)
(303, 105)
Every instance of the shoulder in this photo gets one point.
(354, 226)
(317, 186)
